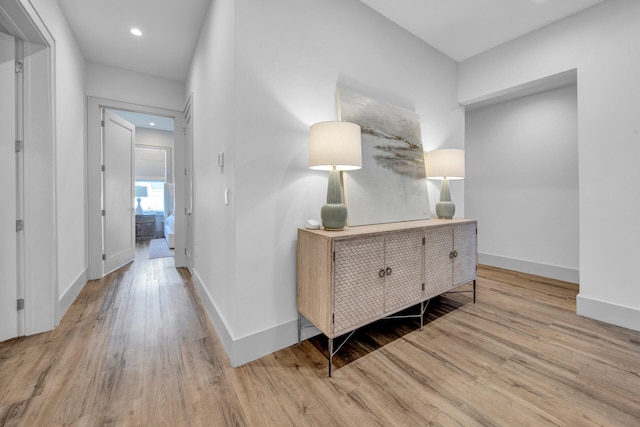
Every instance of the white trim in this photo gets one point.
(40, 237)
(627, 317)
(186, 160)
(72, 293)
(251, 347)
(566, 274)
(216, 319)
(255, 346)
(94, 161)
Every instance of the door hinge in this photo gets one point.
(185, 251)
(334, 256)
(423, 241)
(103, 212)
(101, 123)
(423, 287)
(19, 67)
(333, 318)
(104, 257)
(21, 304)
(185, 171)
(19, 145)
(184, 130)
(19, 225)
(102, 168)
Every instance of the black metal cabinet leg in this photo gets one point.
(330, 355)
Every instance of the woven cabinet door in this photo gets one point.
(358, 285)
(438, 264)
(464, 243)
(403, 268)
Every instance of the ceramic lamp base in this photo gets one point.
(445, 210)
(334, 216)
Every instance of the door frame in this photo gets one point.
(94, 178)
(38, 269)
(187, 152)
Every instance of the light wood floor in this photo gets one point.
(136, 348)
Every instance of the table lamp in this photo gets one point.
(445, 164)
(141, 191)
(334, 146)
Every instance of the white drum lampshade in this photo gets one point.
(335, 146)
(445, 164)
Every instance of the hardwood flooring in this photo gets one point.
(136, 348)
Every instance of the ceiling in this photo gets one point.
(140, 120)
(458, 28)
(170, 33)
(463, 28)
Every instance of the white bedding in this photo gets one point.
(169, 231)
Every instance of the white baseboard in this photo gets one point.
(619, 315)
(71, 293)
(246, 349)
(566, 274)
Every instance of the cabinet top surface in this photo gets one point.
(391, 226)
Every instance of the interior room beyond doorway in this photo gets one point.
(154, 179)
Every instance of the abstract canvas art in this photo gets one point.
(391, 185)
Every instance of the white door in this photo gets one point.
(8, 194)
(118, 222)
(188, 151)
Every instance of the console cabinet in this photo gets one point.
(449, 257)
(350, 278)
(375, 275)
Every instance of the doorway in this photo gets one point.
(154, 179)
(29, 194)
(95, 173)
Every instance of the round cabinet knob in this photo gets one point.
(451, 255)
(389, 271)
(455, 254)
(381, 273)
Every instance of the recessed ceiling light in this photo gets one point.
(136, 32)
(151, 124)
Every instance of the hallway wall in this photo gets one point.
(602, 43)
(262, 74)
(69, 164)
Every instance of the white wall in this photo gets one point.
(128, 90)
(602, 43)
(69, 158)
(289, 56)
(212, 84)
(522, 183)
(132, 87)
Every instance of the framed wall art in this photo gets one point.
(391, 185)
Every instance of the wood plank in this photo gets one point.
(137, 348)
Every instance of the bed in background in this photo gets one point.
(169, 232)
(169, 218)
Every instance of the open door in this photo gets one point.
(8, 178)
(118, 220)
